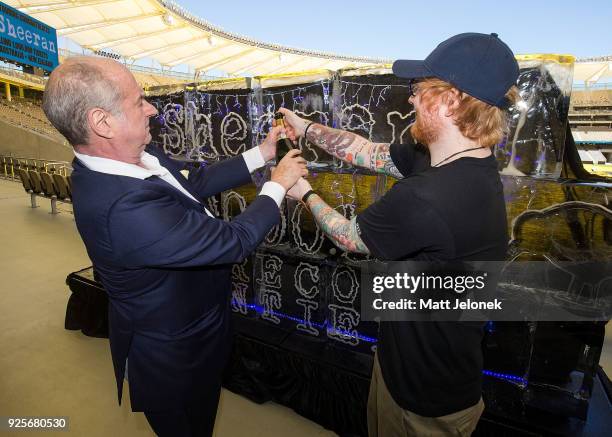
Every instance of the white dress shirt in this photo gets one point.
(252, 157)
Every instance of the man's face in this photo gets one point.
(131, 127)
(427, 124)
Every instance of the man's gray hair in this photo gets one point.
(74, 88)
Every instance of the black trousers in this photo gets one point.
(193, 421)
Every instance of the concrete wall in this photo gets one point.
(15, 141)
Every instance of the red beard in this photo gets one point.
(425, 130)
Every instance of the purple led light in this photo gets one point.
(365, 338)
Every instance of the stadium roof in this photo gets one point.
(162, 30)
(593, 70)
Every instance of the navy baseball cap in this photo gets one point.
(478, 64)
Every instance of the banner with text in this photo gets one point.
(26, 40)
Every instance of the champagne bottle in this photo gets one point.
(284, 144)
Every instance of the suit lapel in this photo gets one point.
(171, 166)
(169, 188)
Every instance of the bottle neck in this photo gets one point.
(281, 122)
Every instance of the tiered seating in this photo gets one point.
(146, 76)
(40, 178)
(590, 117)
(591, 108)
(28, 115)
(13, 75)
(150, 80)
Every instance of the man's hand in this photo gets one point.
(268, 146)
(291, 168)
(300, 188)
(344, 145)
(294, 124)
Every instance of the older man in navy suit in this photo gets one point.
(163, 258)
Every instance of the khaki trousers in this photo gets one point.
(387, 419)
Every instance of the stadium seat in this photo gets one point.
(8, 166)
(27, 186)
(25, 181)
(49, 190)
(28, 116)
(15, 166)
(61, 184)
(40, 178)
(48, 185)
(36, 182)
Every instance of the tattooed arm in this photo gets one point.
(344, 145)
(353, 149)
(339, 229)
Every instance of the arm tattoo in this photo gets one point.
(339, 229)
(353, 149)
(384, 163)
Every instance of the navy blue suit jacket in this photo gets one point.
(166, 266)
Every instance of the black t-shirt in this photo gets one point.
(452, 212)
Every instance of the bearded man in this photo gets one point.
(448, 204)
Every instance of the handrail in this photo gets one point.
(594, 87)
(35, 159)
(8, 162)
(187, 77)
(10, 71)
(157, 72)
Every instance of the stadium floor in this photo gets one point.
(49, 371)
